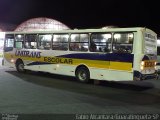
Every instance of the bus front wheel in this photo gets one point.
(20, 66)
(82, 74)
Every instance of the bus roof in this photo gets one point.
(129, 29)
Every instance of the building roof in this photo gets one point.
(42, 23)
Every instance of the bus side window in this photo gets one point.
(79, 42)
(9, 42)
(74, 46)
(123, 42)
(44, 41)
(19, 40)
(93, 46)
(60, 42)
(30, 41)
(100, 42)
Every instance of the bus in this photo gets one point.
(113, 54)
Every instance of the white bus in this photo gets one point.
(113, 54)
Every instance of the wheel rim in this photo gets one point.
(21, 67)
(82, 75)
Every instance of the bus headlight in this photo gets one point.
(12, 60)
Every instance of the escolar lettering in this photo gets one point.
(58, 60)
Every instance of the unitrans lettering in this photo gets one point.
(32, 54)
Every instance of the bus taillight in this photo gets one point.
(147, 64)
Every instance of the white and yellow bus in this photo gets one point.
(113, 54)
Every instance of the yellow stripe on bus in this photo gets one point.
(90, 63)
(121, 66)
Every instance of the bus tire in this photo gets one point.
(82, 74)
(20, 66)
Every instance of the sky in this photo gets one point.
(85, 13)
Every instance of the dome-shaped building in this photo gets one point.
(42, 23)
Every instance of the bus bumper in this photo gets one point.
(139, 76)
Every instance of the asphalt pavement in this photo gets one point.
(46, 94)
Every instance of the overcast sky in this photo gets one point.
(85, 13)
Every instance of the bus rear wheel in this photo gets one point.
(82, 74)
(20, 66)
